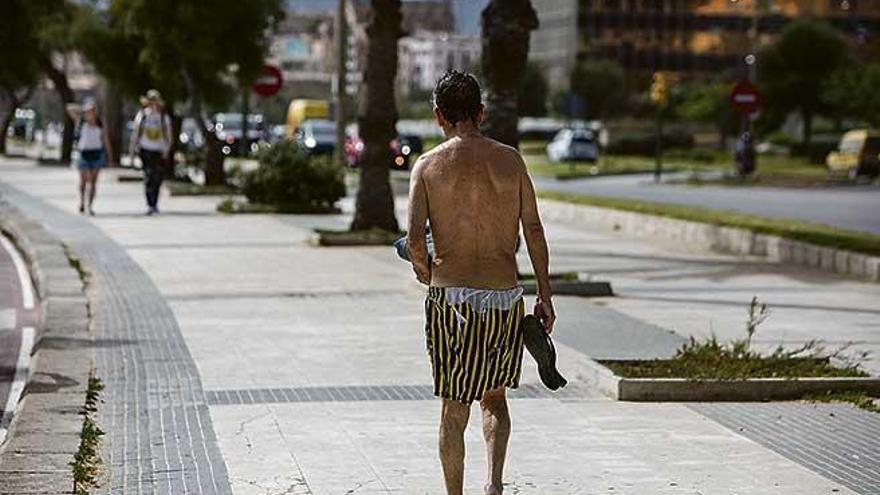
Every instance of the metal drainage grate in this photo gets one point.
(373, 393)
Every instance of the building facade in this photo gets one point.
(303, 50)
(424, 56)
(554, 45)
(687, 36)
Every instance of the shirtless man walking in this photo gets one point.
(475, 193)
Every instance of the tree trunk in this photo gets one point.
(215, 175)
(59, 79)
(807, 115)
(377, 117)
(11, 105)
(113, 122)
(14, 101)
(507, 25)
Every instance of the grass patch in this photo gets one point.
(736, 360)
(818, 234)
(774, 171)
(371, 237)
(562, 276)
(858, 399)
(232, 206)
(540, 165)
(188, 189)
(87, 460)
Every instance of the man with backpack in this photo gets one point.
(152, 138)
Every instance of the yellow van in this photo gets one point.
(301, 109)
(858, 154)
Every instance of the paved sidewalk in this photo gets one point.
(311, 361)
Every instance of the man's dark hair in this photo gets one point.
(457, 96)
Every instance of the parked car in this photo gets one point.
(403, 147)
(317, 136)
(573, 145)
(228, 128)
(857, 155)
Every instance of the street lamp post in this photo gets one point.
(340, 83)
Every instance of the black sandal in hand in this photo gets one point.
(540, 346)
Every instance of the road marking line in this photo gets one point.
(24, 277)
(20, 379)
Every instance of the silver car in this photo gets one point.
(573, 145)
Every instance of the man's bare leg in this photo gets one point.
(453, 420)
(496, 432)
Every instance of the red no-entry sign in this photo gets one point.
(745, 98)
(269, 81)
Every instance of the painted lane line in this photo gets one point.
(20, 379)
(24, 277)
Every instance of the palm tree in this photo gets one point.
(507, 25)
(377, 117)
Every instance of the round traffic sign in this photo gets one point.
(745, 98)
(269, 81)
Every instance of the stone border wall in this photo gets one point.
(714, 238)
(45, 431)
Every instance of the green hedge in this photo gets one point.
(291, 181)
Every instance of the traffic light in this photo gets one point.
(660, 89)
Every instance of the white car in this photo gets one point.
(573, 145)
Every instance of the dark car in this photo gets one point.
(403, 148)
(317, 136)
(228, 129)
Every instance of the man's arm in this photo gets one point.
(416, 246)
(536, 242)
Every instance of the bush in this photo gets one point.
(817, 150)
(292, 181)
(645, 144)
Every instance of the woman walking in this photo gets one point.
(93, 145)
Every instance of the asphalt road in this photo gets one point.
(847, 207)
(18, 315)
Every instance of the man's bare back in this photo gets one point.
(475, 192)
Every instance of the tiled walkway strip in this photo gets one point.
(159, 433)
(846, 451)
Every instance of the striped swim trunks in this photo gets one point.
(474, 340)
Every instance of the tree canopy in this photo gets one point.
(794, 69)
(600, 83)
(533, 92)
(854, 91)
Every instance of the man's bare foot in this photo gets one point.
(491, 490)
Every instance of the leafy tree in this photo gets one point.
(20, 68)
(377, 118)
(601, 85)
(793, 71)
(201, 51)
(709, 103)
(507, 26)
(855, 93)
(533, 92)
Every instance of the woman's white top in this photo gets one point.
(90, 137)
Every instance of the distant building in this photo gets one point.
(419, 16)
(428, 15)
(303, 50)
(424, 56)
(554, 44)
(688, 36)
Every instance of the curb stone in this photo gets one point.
(45, 430)
(746, 390)
(729, 240)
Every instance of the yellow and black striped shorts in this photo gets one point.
(472, 351)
